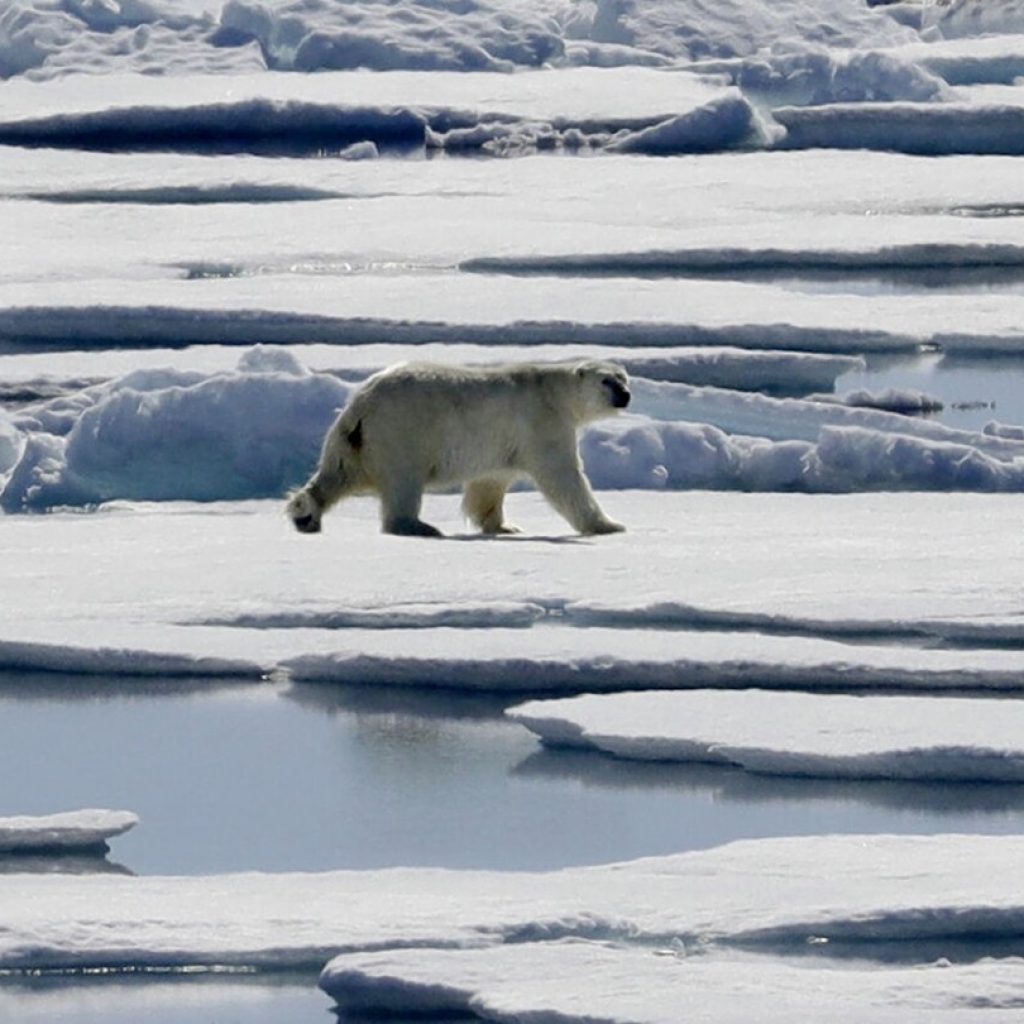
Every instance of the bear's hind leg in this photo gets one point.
(483, 503)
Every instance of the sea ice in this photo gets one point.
(834, 736)
(773, 896)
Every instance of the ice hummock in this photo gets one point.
(160, 37)
(165, 435)
(822, 735)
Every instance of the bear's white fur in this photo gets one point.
(418, 426)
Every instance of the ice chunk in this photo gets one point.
(906, 401)
(71, 830)
(721, 124)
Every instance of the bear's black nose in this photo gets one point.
(620, 397)
(306, 524)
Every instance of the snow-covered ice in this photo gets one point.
(69, 830)
(794, 734)
(698, 913)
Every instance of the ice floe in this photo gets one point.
(833, 736)
(538, 981)
(71, 830)
(869, 892)
(926, 129)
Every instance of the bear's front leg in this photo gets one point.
(400, 501)
(560, 478)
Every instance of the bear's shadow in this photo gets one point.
(512, 538)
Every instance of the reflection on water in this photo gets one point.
(240, 776)
(266, 999)
(973, 390)
(58, 863)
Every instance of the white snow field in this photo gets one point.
(858, 600)
(68, 830)
(832, 736)
(793, 221)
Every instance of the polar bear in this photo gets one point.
(420, 426)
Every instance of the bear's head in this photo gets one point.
(304, 512)
(603, 388)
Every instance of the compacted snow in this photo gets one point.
(221, 217)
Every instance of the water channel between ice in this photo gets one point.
(308, 778)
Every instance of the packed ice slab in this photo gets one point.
(901, 66)
(832, 736)
(71, 830)
(645, 112)
(401, 934)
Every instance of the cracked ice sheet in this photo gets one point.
(769, 895)
(691, 593)
(951, 739)
(587, 982)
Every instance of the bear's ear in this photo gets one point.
(580, 369)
